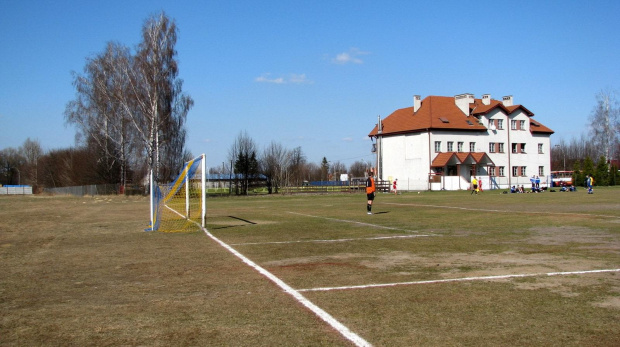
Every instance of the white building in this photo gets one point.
(440, 142)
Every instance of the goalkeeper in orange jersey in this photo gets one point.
(370, 190)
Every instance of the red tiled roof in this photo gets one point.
(536, 127)
(444, 158)
(441, 112)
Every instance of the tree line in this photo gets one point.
(278, 166)
(274, 166)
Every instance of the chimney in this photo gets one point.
(507, 100)
(416, 103)
(486, 99)
(462, 101)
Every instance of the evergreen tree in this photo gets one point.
(613, 175)
(324, 169)
(601, 176)
(588, 169)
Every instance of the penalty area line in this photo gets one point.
(501, 211)
(326, 317)
(354, 222)
(465, 279)
(334, 240)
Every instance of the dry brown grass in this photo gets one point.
(80, 271)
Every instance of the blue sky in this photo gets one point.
(315, 74)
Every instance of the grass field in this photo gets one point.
(429, 269)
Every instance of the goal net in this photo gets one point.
(181, 205)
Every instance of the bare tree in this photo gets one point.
(157, 107)
(99, 116)
(31, 151)
(133, 105)
(312, 172)
(358, 168)
(605, 124)
(273, 163)
(337, 168)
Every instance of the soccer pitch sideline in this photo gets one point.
(429, 269)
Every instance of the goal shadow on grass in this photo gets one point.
(245, 221)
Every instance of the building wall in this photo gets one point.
(406, 157)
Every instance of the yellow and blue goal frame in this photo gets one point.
(180, 205)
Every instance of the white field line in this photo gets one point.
(175, 211)
(503, 211)
(354, 222)
(335, 240)
(342, 329)
(465, 279)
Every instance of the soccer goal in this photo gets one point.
(180, 206)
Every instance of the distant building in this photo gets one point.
(441, 142)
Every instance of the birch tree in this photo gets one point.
(157, 107)
(605, 123)
(133, 105)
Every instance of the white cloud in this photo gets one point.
(351, 56)
(292, 78)
(347, 139)
(265, 78)
(298, 79)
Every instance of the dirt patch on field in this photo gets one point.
(573, 234)
(312, 261)
(479, 263)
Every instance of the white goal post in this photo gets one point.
(180, 205)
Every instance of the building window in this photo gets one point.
(513, 125)
(500, 124)
(491, 147)
(437, 146)
(491, 170)
(501, 147)
(501, 171)
(460, 146)
(541, 171)
(518, 148)
(450, 146)
(515, 171)
(523, 171)
(522, 124)
(540, 148)
(472, 146)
